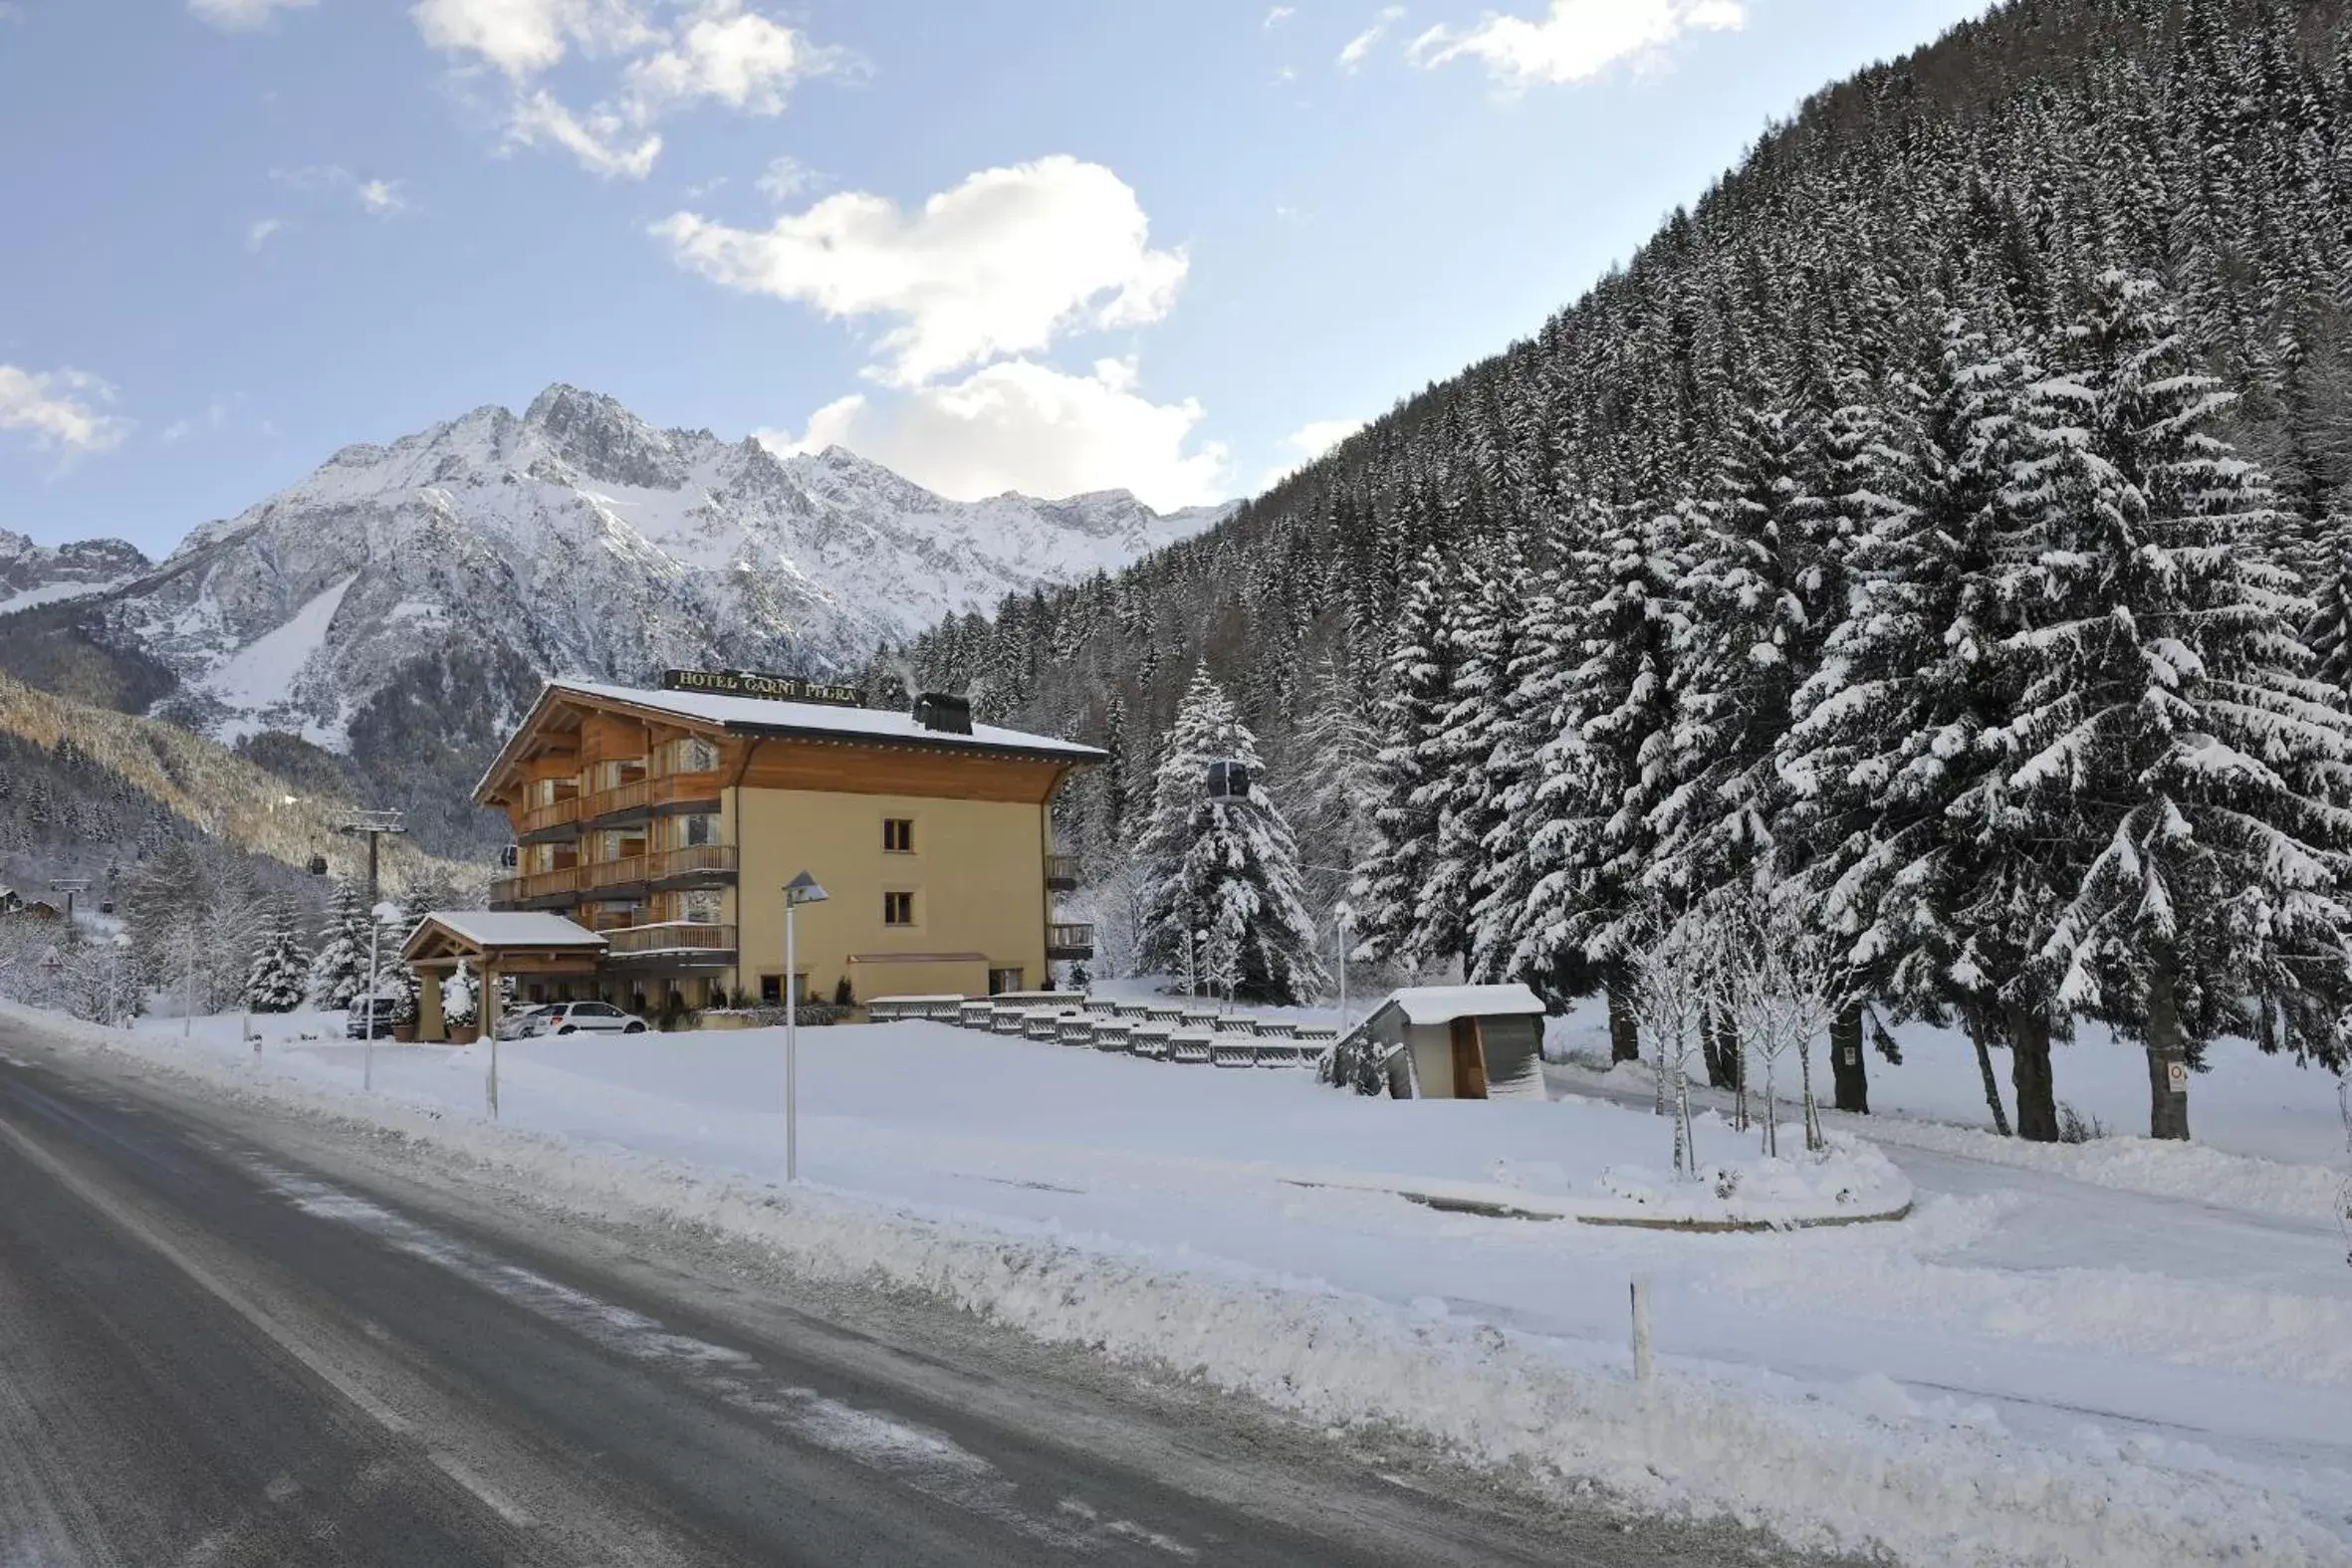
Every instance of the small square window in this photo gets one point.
(772, 991)
(898, 909)
(899, 835)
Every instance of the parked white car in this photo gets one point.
(575, 1017)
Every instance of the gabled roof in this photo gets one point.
(760, 716)
(1444, 1004)
(487, 928)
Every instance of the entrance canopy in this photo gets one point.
(492, 943)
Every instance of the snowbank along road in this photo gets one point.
(231, 1338)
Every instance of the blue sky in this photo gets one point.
(1041, 244)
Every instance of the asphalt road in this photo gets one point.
(227, 1338)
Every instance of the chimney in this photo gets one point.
(946, 714)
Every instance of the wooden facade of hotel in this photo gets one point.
(671, 833)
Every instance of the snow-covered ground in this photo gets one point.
(2036, 1366)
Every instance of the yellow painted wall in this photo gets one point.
(977, 873)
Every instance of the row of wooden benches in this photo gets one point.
(1158, 1031)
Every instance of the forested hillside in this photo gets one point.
(1938, 529)
(83, 787)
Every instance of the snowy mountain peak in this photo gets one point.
(453, 567)
(33, 574)
(607, 442)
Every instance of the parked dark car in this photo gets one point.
(384, 1011)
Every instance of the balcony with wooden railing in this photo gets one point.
(695, 865)
(534, 888)
(680, 791)
(600, 878)
(552, 818)
(1070, 940)
(1061, 873)
(670, 937)
(621, 800)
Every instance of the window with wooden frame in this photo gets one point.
(693, 754)
(899, 835)
(898, 909)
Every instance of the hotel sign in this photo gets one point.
(751, 683)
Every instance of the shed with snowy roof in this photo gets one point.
(492, 944)
(1450, 1043)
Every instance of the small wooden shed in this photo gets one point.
(1456, 1042)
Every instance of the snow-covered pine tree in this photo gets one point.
(339, 969)
(1468, 778)
(2329, 579)
(1600, 781)
(2183, 770)
(1529, 709)
(1761, 590)
(1420, 682)
(1226, 866)
(1331, 773)
(279, 976)
(1888, 732)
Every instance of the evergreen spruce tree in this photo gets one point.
(1600, 780)
(339, 969)
(1760, 588)
(1388, 895)
(1224, 867)
(279, 976)
(1471, 761)
(2170, 748)
(1888, 738)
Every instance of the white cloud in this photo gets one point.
(260, 232)
(383, 197)
(1000, 265)
(1020, 425)
(786, 178)
(525, 36)
(238, 16)
(1309, 442)
(378, 198)
(600, 141)
(1354, 52)
(61, 408)
(733, 56)
(1576, 40)
(718, 50)
(1278, 16)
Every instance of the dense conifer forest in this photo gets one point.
(1939, 528)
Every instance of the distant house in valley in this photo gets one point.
(10, 901)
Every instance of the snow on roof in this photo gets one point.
(514, 929)
(761, 713)
(1444, 1004)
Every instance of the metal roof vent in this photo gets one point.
(946, 714)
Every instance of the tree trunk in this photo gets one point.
(2029, 1071)
(2000, 1115)
(1721, 1049)
(1849, 1078)
(1624, 1026)
(2168, 1059)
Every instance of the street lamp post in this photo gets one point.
(375, 920)
(801, 889)
(1342, 917)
